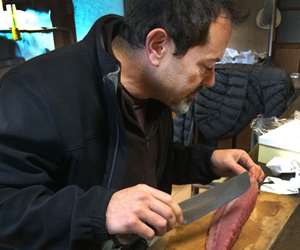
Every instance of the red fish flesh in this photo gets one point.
(229, 219)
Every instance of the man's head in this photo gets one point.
(180, 42)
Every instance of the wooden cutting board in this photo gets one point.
(268, 218)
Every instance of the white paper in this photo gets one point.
(280, 165)
(286, 137)
(279, 186)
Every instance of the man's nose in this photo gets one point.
(210, 79)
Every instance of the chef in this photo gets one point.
(86, 152)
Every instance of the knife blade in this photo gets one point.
(203, 203)
(267, 170)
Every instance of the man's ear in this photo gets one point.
(157, 45)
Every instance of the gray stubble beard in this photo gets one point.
(182, 107)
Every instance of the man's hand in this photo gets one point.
(229, 162)
(142, 210)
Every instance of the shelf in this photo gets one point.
(42, 30)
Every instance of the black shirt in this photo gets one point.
(141, 120)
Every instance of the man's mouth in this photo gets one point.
(192, 96)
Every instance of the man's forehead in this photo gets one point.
(218, 38)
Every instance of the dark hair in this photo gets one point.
(186, 21)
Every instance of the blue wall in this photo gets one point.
(86, 12)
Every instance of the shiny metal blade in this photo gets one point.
(202, 204)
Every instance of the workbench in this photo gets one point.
(261, 232)
(273, 225)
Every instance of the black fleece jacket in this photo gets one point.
(62, 146)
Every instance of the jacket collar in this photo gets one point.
(102, 33)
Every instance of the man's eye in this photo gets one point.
(204, 69)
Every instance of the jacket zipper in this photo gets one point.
(117, 141)
(114, 157)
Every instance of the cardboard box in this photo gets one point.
(283, 141)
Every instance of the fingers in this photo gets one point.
(156, 215)
(158, 219)
(136, 226)
(143, 211)
(237, 169)
(261, 176)
(165, 211)
(155, 221)
(168, 200)
(230, 162)
(253, 168)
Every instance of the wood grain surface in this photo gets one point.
(267, 220)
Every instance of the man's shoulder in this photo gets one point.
(56, 61)
(64, 64)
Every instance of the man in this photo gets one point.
(86, 150)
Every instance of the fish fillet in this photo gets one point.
(229, 219)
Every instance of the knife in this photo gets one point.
(267, 170)
(203, 203)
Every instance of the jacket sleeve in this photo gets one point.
(187, 165)
(191, 164)
(36, 210)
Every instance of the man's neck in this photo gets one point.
(131, 61)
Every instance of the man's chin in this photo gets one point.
(181, 108)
